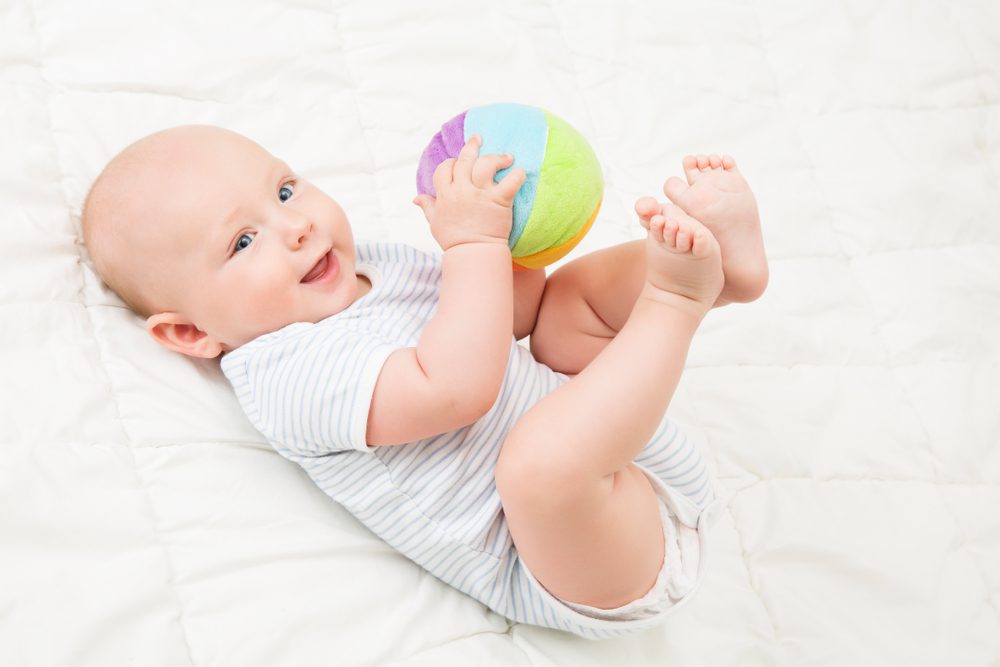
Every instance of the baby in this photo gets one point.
(546, 484)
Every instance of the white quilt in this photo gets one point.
(851, 414)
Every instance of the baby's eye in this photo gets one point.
(240, 245)
(286, 192)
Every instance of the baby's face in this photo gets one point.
(242, 246)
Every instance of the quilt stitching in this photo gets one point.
(114, 396)
(964, 542)
(355, 97)
(572, 60)
(984, 102)
(736, 530)
(890, 365)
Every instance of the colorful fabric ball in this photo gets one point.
(564, 187)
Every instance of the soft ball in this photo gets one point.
(564, 187)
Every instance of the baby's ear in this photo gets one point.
(176, 332)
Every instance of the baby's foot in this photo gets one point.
(683, 258)
(719, 197)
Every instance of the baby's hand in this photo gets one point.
(470, 207)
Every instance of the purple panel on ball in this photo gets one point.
(453, 134)
(445, 144)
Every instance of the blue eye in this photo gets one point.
(286, 192)
(240, 245)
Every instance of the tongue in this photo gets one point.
(317, 270)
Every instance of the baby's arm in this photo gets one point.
(453, 375)
(528, 288)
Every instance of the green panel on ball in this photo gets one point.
(570, 187)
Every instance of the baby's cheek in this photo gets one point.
(263, 301)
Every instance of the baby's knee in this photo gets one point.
(528, 475)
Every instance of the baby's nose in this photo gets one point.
(298, 227)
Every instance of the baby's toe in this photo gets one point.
(662, 230)
(645, 207)
(715, 161)
(691, 170)
(685, 235)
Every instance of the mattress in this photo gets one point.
(850, 415)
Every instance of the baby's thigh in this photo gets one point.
(608, 280)
(585, 304)
(599, 542)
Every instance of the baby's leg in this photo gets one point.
(584, 519)
(585, 304)
(587, 301)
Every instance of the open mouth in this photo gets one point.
(322, 270)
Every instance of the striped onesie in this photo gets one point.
(308, 387)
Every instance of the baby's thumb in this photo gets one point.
(425, 202)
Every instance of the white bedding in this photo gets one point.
(850, 414)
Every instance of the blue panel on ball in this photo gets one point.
(521, 131)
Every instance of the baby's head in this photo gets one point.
(216, 241)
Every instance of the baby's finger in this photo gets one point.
(466, 158)
(443, 175)
(487, 166)
(510, 184)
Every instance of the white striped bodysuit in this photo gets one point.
(308, 386)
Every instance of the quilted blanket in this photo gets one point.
(850, 415)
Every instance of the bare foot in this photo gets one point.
(683, 259)
(717, 195)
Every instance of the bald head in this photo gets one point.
(215, 241)
(129, 205)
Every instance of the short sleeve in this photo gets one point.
(310, 392)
